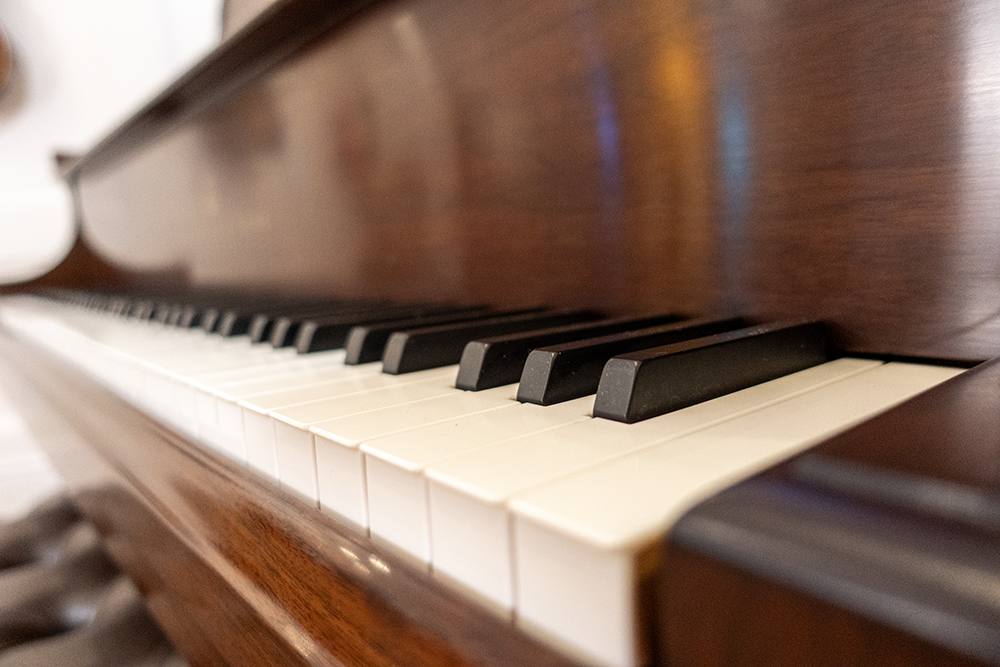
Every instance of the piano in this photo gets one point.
(781, 162)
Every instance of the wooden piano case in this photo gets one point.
(784, 158)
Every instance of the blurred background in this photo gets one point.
(71, 71)
(78, 69)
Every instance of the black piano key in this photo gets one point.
(262, 323)
(118, 306)
(285, 329)
(161, 313)
(558, 373)
(210, 319)
(260, 327)
(366, 343)
(493, 362)
(175, 314)
(432, 347)
(331, 333)
(234, 323)
(653, 382)
(141, 310)
(190, 317)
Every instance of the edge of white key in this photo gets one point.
(597, 520)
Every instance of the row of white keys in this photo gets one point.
(255, 410)
(203, 390)
(470, 489)
(199, 394)
(340, 463)
(576, 538)
(294, 443)
(495, 495)
(393, 456)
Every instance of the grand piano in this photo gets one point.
(770, 160)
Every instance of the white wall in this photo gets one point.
(81, 67)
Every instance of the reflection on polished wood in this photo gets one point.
(777, 158)
(927, 470)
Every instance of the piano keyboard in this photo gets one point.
(545, 514)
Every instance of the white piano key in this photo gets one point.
(259, 433)
(219, 417)
(285, 372)
(293, 372)
(473, 486)
(294, 444)
(295, 456)
(574, 535)
(312, 401)
(398, 510)
(339, 462)
(310, 382)
(259, 439)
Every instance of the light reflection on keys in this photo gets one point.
(538, 512)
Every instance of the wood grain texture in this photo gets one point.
(237, 571)
(949, 434)
(908, 505)
(781, 159)
(720, 616)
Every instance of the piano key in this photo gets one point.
(399, 463)
(329, 333)
(234, 323)
(471, 488)
(339, 462)
(496, 361)
(286, 327)
(294, 444)
(599, 520)
(571, 370)
(161, 313)
(174, 316)
(241, 321)
(397, 507)
(141, 310)
(366, 343)
(653, 382)
(210, 318)
(190, 317)
(262, 323)
(260, 327)
(430, 347)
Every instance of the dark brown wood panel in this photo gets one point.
(236, 570)
(951, 433)
(877, 546)
(719, 616)
(788, 158)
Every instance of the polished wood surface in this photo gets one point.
(237, 571)
(949, 435)
(717, 615)
(912, 495)
(781, 158)
(785, 158)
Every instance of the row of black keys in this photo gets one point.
(639, 367)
